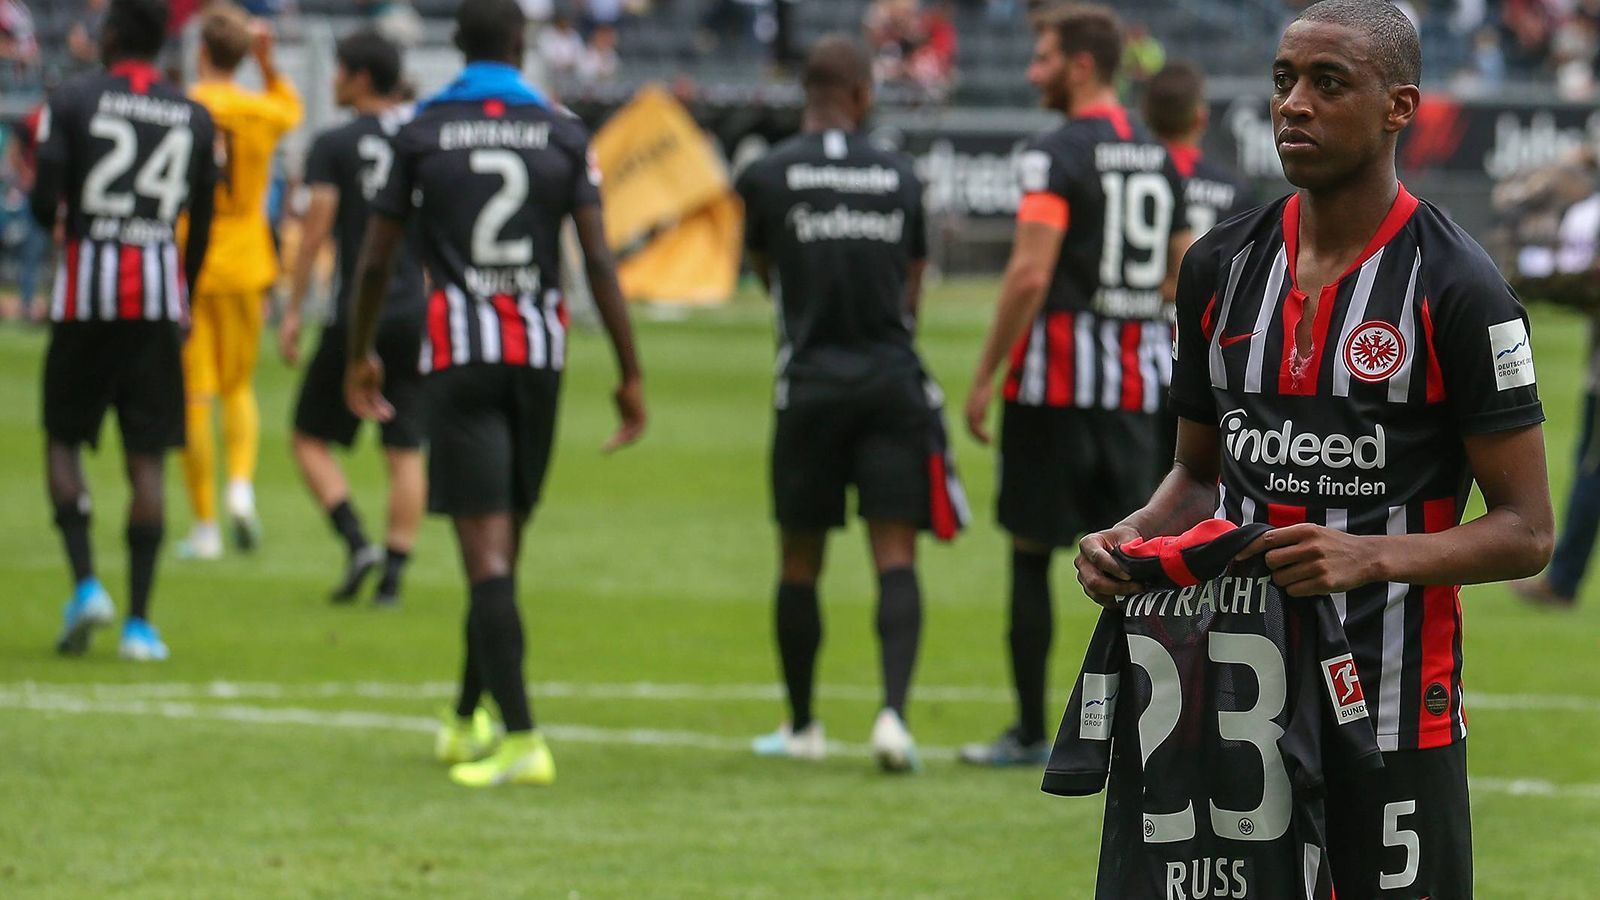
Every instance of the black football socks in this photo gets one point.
(144, 545)
(899, 632)
(348, 525)
(394, 564)
(799, 627)
(72, 520)
(496, 627)
(471, 673)
(1031, 628)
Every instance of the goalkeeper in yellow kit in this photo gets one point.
(219, 359)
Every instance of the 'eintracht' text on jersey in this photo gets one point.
(841, 221)
(1102, 340)
(1211, 193)
(496, 180)
(1420, 343)
(131, 153)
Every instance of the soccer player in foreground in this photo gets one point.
(836, 231)
(345, 167)
(1348, 363)
(498, 169)
(1083, 315)
(219, 358)
(126, 154)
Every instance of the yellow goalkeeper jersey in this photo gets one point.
(241, 258)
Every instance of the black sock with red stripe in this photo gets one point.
(799, 626)
(899, 633)
(1032, 625)
(144, 548)
(496, 627)
(73, 523)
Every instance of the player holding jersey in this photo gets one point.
(219, 359)
(344, 169)
(126, 154)
(1348, 363)
(497, 169)
(1083, 315)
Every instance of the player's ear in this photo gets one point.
(1403, 102)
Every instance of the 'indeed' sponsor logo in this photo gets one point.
(1285, 446)
(844, 224)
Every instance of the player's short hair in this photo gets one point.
(138, 28)
(225, 33)
(1085, 28)
(837, 62)
(1392, 38)
(1172, 99)
(370, 52)
(489, 29)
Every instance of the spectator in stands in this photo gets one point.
(24, 236)
(18, 43)
(1573, 49)
(1485, 71)
(728, 22)
(912, 48)
(1142, 57)
(597, 13)
(560, 47)
(394, 19)
(598, 62)
(82, 41)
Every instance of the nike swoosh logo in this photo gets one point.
(1229, 341)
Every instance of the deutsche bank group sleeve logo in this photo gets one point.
(1033, 171)
(1512, 354)
(1099, 705)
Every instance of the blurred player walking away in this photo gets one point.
(219, 358)
(126, 154)
(497, 169)
(1370, 335)
(836, 231)
(1083, 314)
(1175, 109)
(346, 166)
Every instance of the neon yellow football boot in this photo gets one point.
(521, 759)
(464, 740)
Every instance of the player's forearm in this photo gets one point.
(614, 316)
(45, 199)
(194, 257)
(305, 260)
(1021, 296)
(1183, 500)
(374, 268)
(914, 289)
(1501, 545)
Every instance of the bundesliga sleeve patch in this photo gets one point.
(1512, 354)
(1099, 706)
(1344, 688)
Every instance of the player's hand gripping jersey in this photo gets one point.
(1102, 340)
(127, 153)
(1213, 701)
(492, 181)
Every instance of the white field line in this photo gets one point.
(637, 690)
(49, 702)
(45, 702)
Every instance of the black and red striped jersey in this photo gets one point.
(1213, 703)
(1102, 340)
(492, 182)
(1418, 344)
(126, 154)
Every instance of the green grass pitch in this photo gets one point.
(285, 750)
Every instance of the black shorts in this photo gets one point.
(321, 412)
(1067, 472)
(136, 367)
(1403, 831)
(490, 432)
(875, 435)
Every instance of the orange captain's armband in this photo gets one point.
(1044, 208)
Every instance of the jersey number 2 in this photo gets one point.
(488, 249)
(162, 178)
(1269, 820)
(1138, 218)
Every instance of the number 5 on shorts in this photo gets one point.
(1395, 836)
